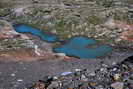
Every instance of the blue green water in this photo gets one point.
(21, 28)
(76, 46)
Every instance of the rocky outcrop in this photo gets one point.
(18, 46)
(6, 30)
(127, 29)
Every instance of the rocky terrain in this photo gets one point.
(107, 21)
(118, 76)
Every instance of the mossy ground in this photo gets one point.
(12, 44)
(77, 19)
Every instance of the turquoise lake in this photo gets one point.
(76, 46)
(79, 47)
(36, 32)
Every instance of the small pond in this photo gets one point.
(79, 47)
(21, 28)
(76, 46)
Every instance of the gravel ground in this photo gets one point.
(18, 75)
(118, 76)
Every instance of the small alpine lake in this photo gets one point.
(79, 47)
(21, 28)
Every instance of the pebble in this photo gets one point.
(92, 73)
(61, 54)
(117, 77)
(66, 73)
(83, 78)
(54, 31)
(114, 69)
(117, 85)
(77, 69)
(119, 39)
(39, 85)
(20, 80)
(13, 75)
(53, 85)
(55, 77)
(110, 23)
